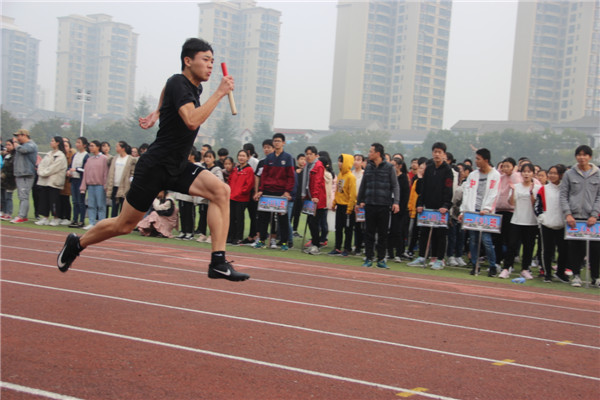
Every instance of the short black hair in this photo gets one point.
(191, 47)
(362, 158)
(208, 146)
(300, 155)
(510, 160)
(450, 157)
(279, 136)
(439, 145)
(485, 154)
(585, 148)
(222, 152)
(267, 142)
(312, 149)
(423, 160)
(378, 148)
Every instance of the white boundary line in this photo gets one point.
(317, 331)
(308, 287)
(286, 261)
(36, 392)
(227, 356)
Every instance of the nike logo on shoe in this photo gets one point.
(226, 273)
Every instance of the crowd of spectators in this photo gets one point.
(373, 201)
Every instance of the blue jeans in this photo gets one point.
(7, 201)
(486, 240)
(96, 203)
(456, 239)
(78, 201)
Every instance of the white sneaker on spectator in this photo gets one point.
(88, 227)
(65, 222)
(274, 244)
(313, 250)
(460, 262)
(534, 263)
(452, 262)
(505, 274)
(54, 222)
(201, 238)
(417, 262)
(397, 259)
(526, 274)
(43, 221)
(576, 281)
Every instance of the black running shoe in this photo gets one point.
(226, 271)
(69, 252)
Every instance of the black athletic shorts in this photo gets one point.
(149, 179)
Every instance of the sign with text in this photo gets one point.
(582, 231)
(360, 215)
(473, 221)
(274, 204)
(309, 207)
(432, 219)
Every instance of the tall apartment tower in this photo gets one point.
(246, 38)
(556, 70)
(390, 63)
(98, 56)
(19, 68)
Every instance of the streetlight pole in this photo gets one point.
(83, 96)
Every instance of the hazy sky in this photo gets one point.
(479, 66)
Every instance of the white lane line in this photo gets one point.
(226, 356)
(305, 329)
(471, 309)
(36, 392)
(494, 298)
(444, 324)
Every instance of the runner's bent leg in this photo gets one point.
(111, 227)
(217, 192)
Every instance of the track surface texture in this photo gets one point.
(137, 320)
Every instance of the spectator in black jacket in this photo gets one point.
(436, 194)
(378, 192)
(399, 221)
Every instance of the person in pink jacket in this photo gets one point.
(94, 178)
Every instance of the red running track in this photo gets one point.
(137, 320)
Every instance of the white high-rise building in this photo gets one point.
(19, 68)
(246, 38)
(97, 57)
(556, 65)
(390, 63)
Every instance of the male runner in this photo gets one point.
(165, 165)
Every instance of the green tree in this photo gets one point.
(225, 135)
(43, 131)
(134, 132)
(9, 124)
(262, 130)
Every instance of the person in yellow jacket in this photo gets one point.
(343, 205)
(413, 230)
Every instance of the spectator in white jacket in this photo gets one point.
(52, 173)
(480, 193)
(552, 222)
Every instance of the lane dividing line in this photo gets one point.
(36, 392)
(223, 355)
(206, 252)
(317, 331)
(427, 303)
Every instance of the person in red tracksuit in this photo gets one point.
(313, 188)
(241, 182)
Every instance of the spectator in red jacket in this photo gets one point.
(241, 182)
(313, 188)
